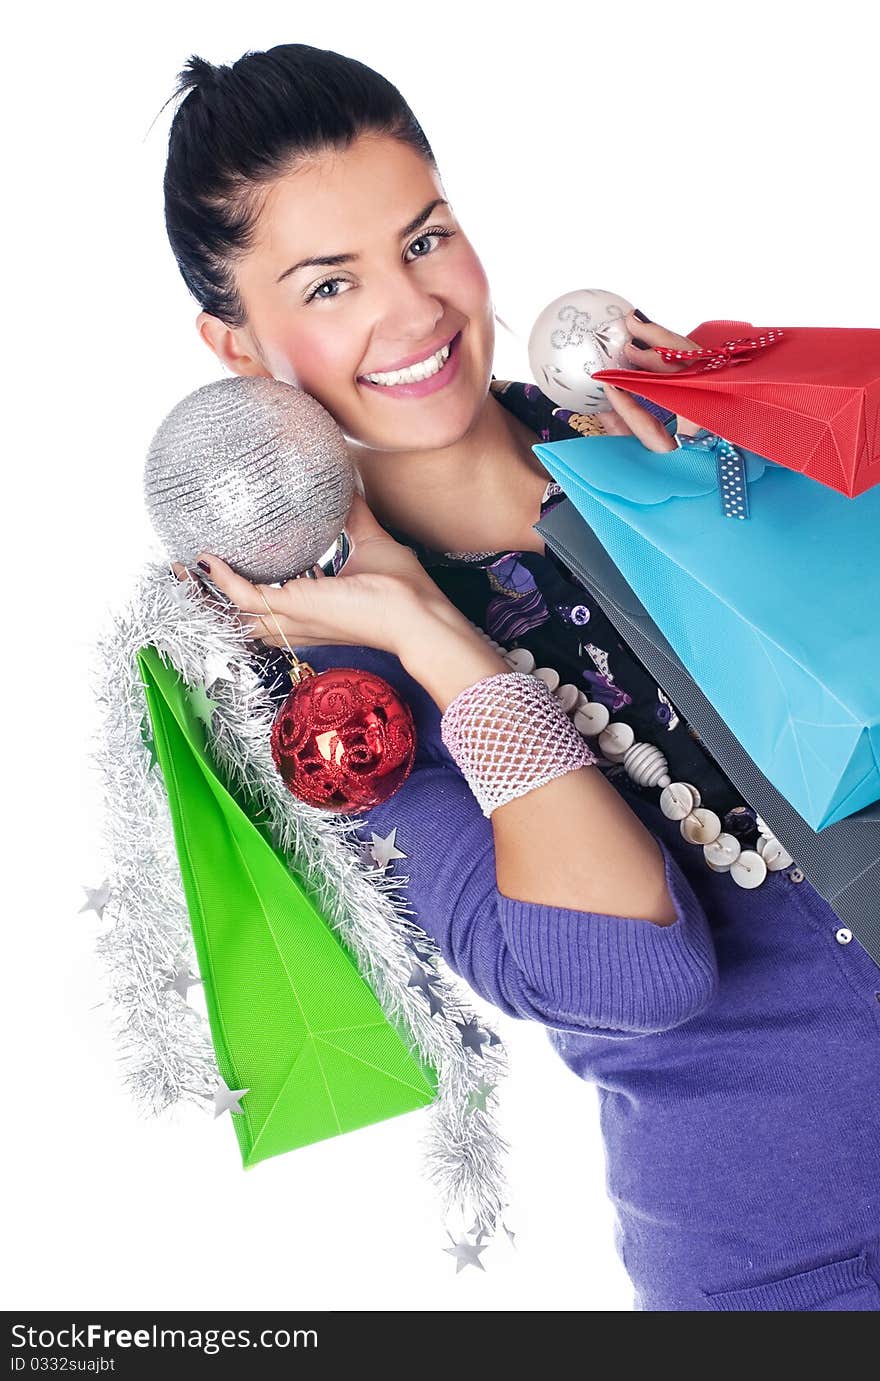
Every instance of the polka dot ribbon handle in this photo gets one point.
(735, 351)
(730, 469)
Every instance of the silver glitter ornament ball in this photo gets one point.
(574, 337)
(254, 470)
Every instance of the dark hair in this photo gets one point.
(239, 127)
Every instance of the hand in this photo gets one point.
(371, 602)
(629, 418)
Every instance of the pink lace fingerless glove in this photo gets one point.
(509, 735)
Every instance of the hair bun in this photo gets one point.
(197, 75)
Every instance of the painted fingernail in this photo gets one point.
(203, 566)
(639, 344)
(641, 316)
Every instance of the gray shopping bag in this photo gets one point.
(843, 860)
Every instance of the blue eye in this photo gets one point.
(429, 234)
(439, 231)
(324, 284)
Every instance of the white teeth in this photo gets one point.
(423, 370)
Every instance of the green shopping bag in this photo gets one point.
(291, 1018)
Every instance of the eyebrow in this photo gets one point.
(332, 260)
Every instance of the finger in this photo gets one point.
(612, 422)
(686, 427)
(250, 597)
(649, 430)
(263, 630)
(251, 626)
(194, 577)
(653, 335)
(313, 573)
(271, 640)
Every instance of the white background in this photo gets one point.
(704, 160)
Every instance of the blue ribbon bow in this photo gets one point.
(730, 468)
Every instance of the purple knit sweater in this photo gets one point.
(735, 1051)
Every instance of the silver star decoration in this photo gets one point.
(216, 669)
(202, 705)
(420, 978)
(383, 850)
(477, 1230)
(226, 1099)
(466, 1253)
(96, 899)
(365, 852)
(182, 982)
(472, 1038)
(477, 1097)
(179, 593)
(510, 1235)
(434, 1002)
(425, 955)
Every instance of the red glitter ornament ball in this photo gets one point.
(344, 740)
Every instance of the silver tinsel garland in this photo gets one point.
(167, 1050)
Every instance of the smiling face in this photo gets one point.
(415, 284)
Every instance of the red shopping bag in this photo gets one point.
(808, 399)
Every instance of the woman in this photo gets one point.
(732, 1038)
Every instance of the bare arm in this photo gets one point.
(603, 857)
(604, 860)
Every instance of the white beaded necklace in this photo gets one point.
(646, 765)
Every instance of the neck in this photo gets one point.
(482, 493)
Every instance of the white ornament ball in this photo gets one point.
(577, 335)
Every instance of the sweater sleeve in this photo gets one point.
(614, 976)
(570, 969)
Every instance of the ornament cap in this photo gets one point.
(299, 671)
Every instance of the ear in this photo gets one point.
(232, 345)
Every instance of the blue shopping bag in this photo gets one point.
(776, 618)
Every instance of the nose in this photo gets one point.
(411, 316)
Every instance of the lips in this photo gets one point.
(435, 383)
(410, 360)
